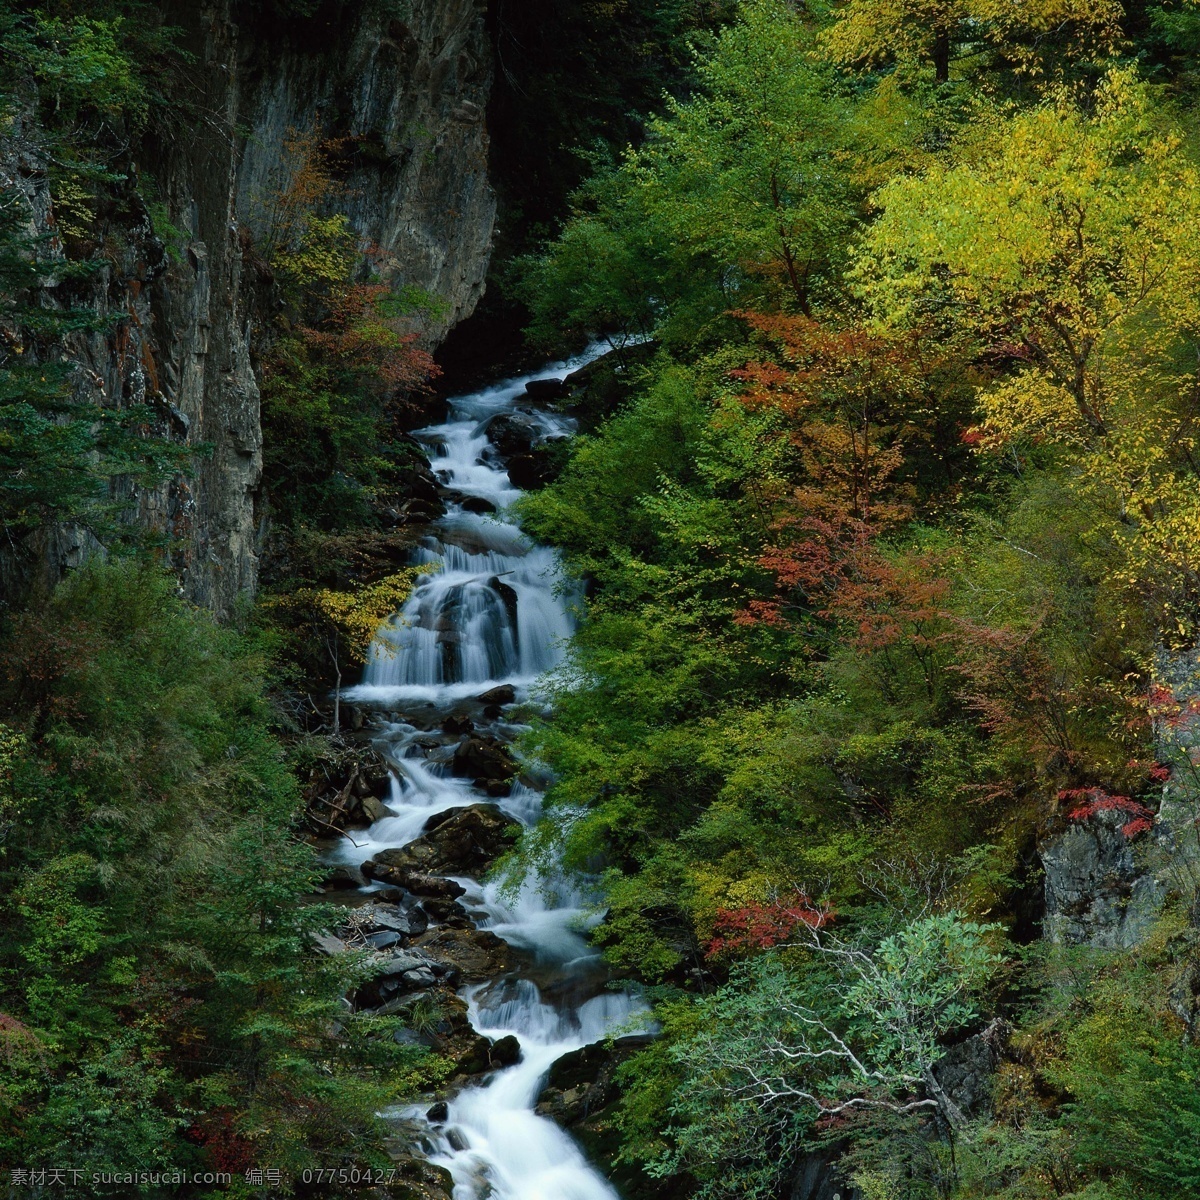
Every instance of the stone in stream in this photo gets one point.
(438, 1114)
(477, 954)
(505, 1051)
(513, 433)
(416, 1179)
(411, 921)
(545, 389)
(582, 1082)
(448, 913)
(477, 504)
(422, 883)
(459, 841)
(504, 694)
(539, 467)
(483, 758)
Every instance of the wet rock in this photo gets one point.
(476, 954)
(509, 597)
(545, 389)
(504, 694)
(483, 758)
(417, 1179)
(341, 879)
(505, 1051)
(457, 1140)
(460, 841)
(448, 913)
(438, 1114)
(373, 809)
(422, 883)
(458, 725)
(513, 433)
(538, 468)
(583, 1082)
(477, 504)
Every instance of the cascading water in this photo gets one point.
(494, 611)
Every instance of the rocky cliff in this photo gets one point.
(406, 89)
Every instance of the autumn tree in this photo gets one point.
(1031, 37)
(1060, 241)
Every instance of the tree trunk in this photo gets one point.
(954, 1115)
(941, 56)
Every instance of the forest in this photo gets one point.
(875, 748)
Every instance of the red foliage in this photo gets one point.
(1090, 801)
(358, 333)
(760, 926)
(848, 397)
(227, 1149)
(17, 1040)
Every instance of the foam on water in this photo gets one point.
(493, 610)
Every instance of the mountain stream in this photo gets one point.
(494, 610)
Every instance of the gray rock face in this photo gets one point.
(966, 1070)
(408, 96)
(1099, 890)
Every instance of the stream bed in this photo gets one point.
(491, 618)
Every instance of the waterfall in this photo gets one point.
(494, 610)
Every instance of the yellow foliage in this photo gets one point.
(356, 616)
(1065, 245)
(912, 33)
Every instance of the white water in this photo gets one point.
(460, 635)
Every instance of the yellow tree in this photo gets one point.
(912, 34)
(1066, 243)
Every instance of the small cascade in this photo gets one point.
(492, 615)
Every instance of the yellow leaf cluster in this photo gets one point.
(356, 616)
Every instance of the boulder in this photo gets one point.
(477, 504)
(513, 433)
(505, 1051)
(410, 920)
(535, 469)
(508, 597)
(483, 758)
(384, 939)
(416, 1179)
(328, 944)
(448, 913)
(476, 954)
(438, 1114)
(504, 694)
(583, 1081)
(545, 389)
(373, 809)
(412, 879)
(460, 841)
(1097, 890)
